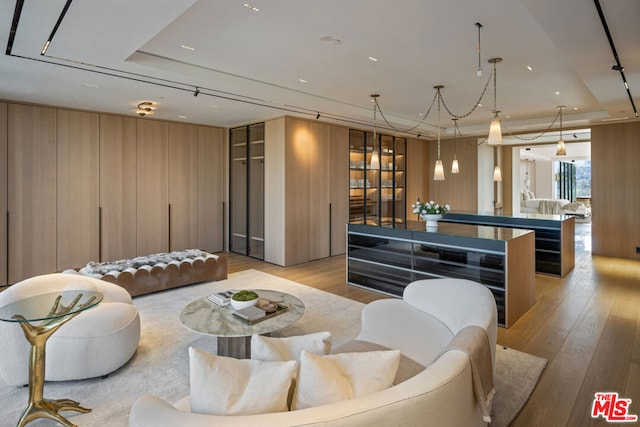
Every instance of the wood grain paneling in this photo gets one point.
(417, 178)
(458, 190)
(615, 199)
(319, 154)
(117, 187)
(338, 169)
(77, 200)
(152, 187)
(296, 191)
(211, 188)
(3, 194)
(31, 191)
(183, 186)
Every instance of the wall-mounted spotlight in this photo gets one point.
(419, 135)
(318, 116)
(197, 92)
(145, 108)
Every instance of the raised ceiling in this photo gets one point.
(248, 65)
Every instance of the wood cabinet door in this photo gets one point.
(339, 188)
(3, 195)
(117, 187)
(320, 169)
(77, 178)
(211, 188)
(152, 219)
(31, 189)
(183, 186)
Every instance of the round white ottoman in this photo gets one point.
(94, 343)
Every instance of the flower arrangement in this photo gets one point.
(429, 208)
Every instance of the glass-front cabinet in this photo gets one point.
(376, 179)
(246, 193)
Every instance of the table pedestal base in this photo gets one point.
(238, 347)
(49, 408)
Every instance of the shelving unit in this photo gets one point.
(387, 259)
(246, 216)
(376, 179)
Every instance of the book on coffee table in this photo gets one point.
(222, 299)
(251, 314)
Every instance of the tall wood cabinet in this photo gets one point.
(3, 194)
(305, 193)
(31, 191)
(77, 180)
(117, 187)
(82, 186)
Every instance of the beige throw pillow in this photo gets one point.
(227, 386)
(333, 378)
(289, 348)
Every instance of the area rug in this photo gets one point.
(160, 365)
(516, 376)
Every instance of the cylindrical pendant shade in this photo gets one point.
(438, 173)
(454, 166)
(497, 174)
(561, 149)
(495, 132)
(375, 160)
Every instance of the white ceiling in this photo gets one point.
(111, 55)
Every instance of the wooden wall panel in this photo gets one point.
(117, 187)
(417, 173)
(3, 194)
(296, 191)
(319, 149)
(458, 190)
(211, 188)
(31, 191)
(506, 168)
(274, 191)
(615, 199)
(183, 186)
(77, 204)
(339, 187)
(152, 218)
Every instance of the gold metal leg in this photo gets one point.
(38, 406)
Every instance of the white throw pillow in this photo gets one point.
(227, 386)
(289, 348)
(333, 378)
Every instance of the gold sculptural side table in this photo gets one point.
(40, 316)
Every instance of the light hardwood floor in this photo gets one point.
(587, 325)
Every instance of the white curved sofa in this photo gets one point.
(96, 342)
(421, 326)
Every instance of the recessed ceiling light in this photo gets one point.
(421, 114)
(253, 8)
(303, 81)
(184, 46)
(91, 85)
(529, 68)
(182, 117)
(371, 58)
(575, 108)
(330, 39)
(557, 93)
(479, 105)
(214, 106)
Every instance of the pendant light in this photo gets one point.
(495, 131)
(497, 174)
(438, 171)
(560, 148)
(455, 168)
(375, 157)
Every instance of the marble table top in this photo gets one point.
(205, 317)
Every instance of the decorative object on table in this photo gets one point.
(431, 212)
(243, 299)
(222, 299)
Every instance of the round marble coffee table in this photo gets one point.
(234, 334)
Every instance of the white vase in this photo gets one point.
(432, 221)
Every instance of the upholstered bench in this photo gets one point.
(152, 273)
(95, 343)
